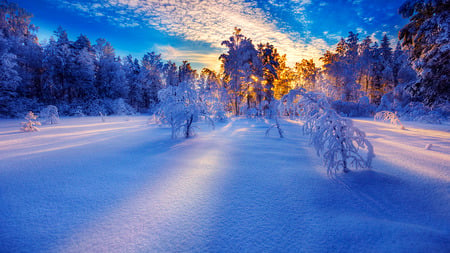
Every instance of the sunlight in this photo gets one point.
(418, 160)
(47, 141)
(144, 220)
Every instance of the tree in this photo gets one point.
(180, 108)
(340, 69)
(270, 60)
(212, 94)
(306, 72)
(133, 77)
(50, 114)
(57, 78)
(336, 140)
(9, 78)
(110, 75)
(285, 80)
(17, 30)
(82, 70)
(31, 124)
(242, 69)
(151, 78)
(426, 37)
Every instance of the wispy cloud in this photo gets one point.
(205, 21)
(209, 60)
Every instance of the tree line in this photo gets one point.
(85, 78)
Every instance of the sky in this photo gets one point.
(194, 29)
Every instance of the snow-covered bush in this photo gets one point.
(50, 114)
(336, 140)
(390, 117)
(180, 108)
(31, 124)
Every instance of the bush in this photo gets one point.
(390, 117)
(50, 114)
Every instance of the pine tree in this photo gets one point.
(426, 37)
(31, 124)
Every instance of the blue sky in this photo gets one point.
(193, 29)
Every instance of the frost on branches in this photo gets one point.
(180, 108)
(50, 115)
(390, 117)
(336, 140)
(31, 124)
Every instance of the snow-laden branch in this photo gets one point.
(390, 117)
(336, 139)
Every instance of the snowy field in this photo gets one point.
(122, 185)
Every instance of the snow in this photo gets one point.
(122, 185)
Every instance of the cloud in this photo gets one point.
(205, 21)
(196, 58)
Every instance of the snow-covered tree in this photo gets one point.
(83, 67)
(336, 139)
(270, 60)
(56, 63)
(134, 81)
(110, 75)
(306, 74)
(31, 124)
(285, 80)
(427, 38)
(243, 71)
(170, 71)
(151, 78)
(212, 94)
(180, 108)
(9, 78)
(50, 114)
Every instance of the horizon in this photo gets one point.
(302, 29)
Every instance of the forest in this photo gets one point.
(286, 157)
(359, 77)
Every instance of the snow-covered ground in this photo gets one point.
(124, 186)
